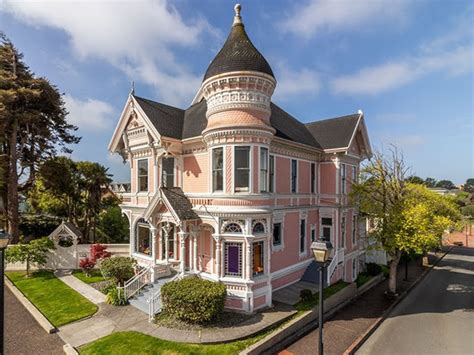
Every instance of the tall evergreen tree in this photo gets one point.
(33, 127)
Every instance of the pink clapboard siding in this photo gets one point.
(196, 173)
(327, 173)
(303, 177)
(282, 169)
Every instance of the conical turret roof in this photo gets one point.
(238, 53)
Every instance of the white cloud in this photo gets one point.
(89, 115)
(454, 58)
(138, 37)
(318, 16)
(304, 82)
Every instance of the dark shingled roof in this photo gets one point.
(238, 53)
(168, 120)
(72, 227)
(180, 203)
(180, 124)
(334, 132)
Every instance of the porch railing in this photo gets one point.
(136, 283)
(338, 258)
(154, 302)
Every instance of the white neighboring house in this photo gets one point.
(374, 252)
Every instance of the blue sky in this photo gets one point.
(407, 64)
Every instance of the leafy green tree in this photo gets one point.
(415, 180)
(35, 251)
(410, 217)
(33, 127)
(469, 185)
(430, 182)
(445, 184)
(113, 226)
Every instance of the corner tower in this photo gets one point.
(238, 86)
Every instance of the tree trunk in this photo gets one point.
(12, 208)
(392, 278)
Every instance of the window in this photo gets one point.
(167, 166)
(302, 236)
(171, 242)
(258, 228)
(257, 265)
(143, 175)
(271, 181)
(263, 170)
(313, 178)
(354, 269)
(233, 259)
(232, 228)
(143, 238)
(313, 234)
(343, 232)
(343, 178)
(242, 169)
(326, 224)
(294, 174)
(354, 229)
(217, 169)
(277, 240)
(354, 174)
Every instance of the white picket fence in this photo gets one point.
(69, 257)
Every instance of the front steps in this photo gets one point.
(140, 299)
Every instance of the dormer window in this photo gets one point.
(143, 175)
(167, 172)
(242, 169)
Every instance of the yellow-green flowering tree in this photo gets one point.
(410, 218)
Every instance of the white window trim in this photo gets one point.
(175, 173)
(211, 185)
(305, 251)
(279, 218)
(274, 173)
(331, 227)
(260, 170)
(343, 172)
(147, 173)
(313, 229)
(250, 190)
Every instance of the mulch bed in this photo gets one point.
(227, 320)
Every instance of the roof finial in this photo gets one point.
(132, 91)
(237, 18)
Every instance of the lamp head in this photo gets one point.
(321, 251)
(4, 239)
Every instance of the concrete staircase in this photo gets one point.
(139, 301)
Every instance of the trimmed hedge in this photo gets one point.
(193, 300)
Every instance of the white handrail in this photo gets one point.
(154, 304)
(136, 283)
(338, 258)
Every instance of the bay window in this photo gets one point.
(242, 169)
(258, 258)
(217, 169)
(263, 170)
(143, 238)
(142, 175)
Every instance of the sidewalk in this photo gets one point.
(348, 324)
(84, 289)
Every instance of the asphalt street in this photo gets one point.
(437, 316)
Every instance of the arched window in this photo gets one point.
(143, 238)
(258, 228)
(233, 228)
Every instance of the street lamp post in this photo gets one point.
(4, 239)
(321, 252)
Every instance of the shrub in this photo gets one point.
(119, 269)
(306, 295)
(115, 297)
(87, 265)
(99, 252)
(108, 287)
(373, 269)
(193, 300)
(386, 271)
(36, 251)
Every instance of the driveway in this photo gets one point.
(437, 317)
(23, 334)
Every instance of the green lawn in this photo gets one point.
(303, 306)
(132, 343)
(96, 276)
(57, 301)
(362, 279)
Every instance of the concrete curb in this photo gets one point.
(30, 307)
(363, 338)
(69, 349)
(308, 321)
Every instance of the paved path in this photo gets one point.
(84, 289)
(111, 319)
(23, 335)
(291, 294)
(437, 317)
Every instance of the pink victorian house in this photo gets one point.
(235, 189)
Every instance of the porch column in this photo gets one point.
(217, 239)
(190, 253)
(195, 247)
(153, 252)
(166, 231)
(182, 242)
